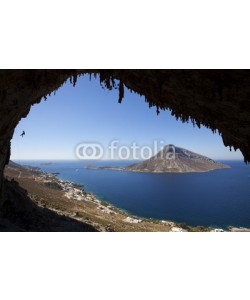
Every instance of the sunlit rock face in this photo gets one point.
(218, 99)
(173, 159)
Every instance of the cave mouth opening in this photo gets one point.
(218, 99)
(90, 112)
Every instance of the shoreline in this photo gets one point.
(75, 192)
(151, 172)
(180, 225)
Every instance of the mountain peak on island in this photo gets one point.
(174, 159)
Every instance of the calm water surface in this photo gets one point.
(217, 198)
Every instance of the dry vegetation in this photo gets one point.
(84, 211)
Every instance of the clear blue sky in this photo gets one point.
(88, 113)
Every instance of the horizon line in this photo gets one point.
(75, 159)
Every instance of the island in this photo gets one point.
(171, 159)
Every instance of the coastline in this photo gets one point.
(145, 171)
(96, 212)
(69, 200)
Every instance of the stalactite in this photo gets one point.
(121, 91)
(113, 82)
(74, 79)
(157, 110)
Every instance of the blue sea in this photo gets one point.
(219, 198)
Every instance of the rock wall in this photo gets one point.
(218, 99)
